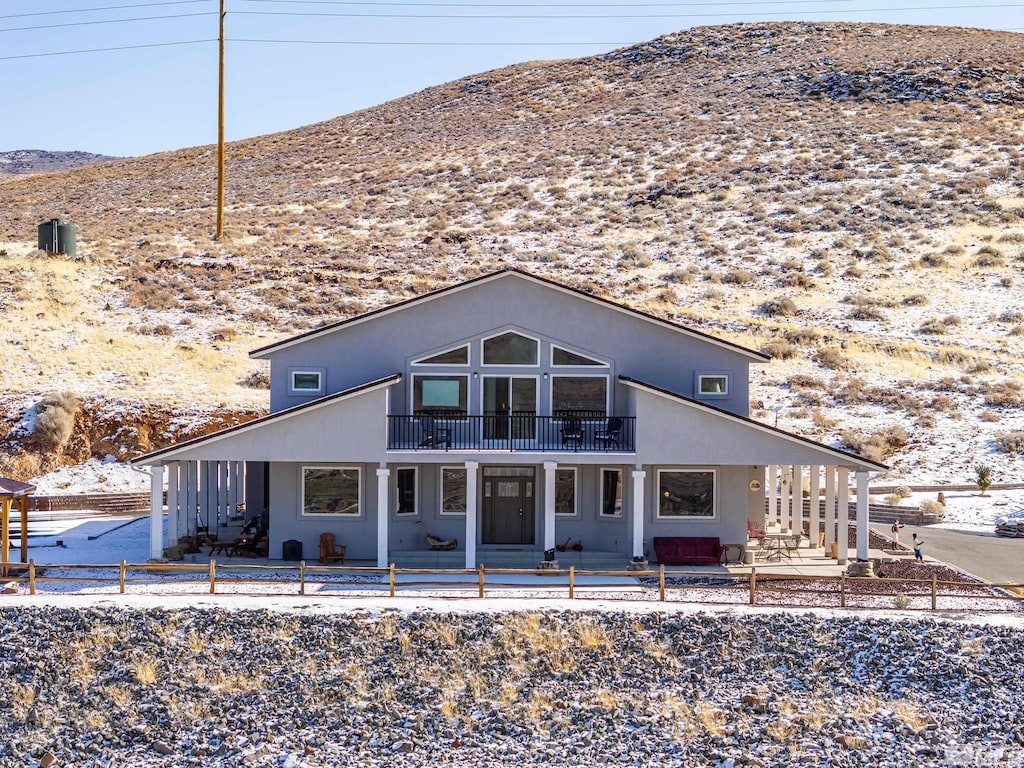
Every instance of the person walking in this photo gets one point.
(917, 547)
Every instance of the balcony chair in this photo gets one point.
(572, 432)
(330, 550)
(433, 436)
(610, 435)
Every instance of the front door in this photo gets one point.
(508, 513)
(510, 407)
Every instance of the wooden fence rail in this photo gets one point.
(481, 579)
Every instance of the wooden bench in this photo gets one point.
(688, 550)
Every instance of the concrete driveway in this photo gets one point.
(981, 553)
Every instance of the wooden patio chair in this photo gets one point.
(330, 551)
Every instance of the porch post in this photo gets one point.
(5, 532)
(830, 507)
(773, 495)
(156, 513)
(796, 511)
(815, 512)
(638, 512)
(862, 515)
(549, 504)
(843, 523)
(23, 507)
(223, 473)
(232, 489)
(172, 502)
(471, 512)
(192, 497)
(383, 473)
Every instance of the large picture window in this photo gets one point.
(611, 493)
(510, 348)
(686, 493)
(440, 394)
(405, 479)
(453, 490)
(565, 492)
(330, 491)
(584, 396)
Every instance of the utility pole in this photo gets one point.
(220, 133)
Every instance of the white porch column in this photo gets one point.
(223, 474)
(843, 523)
(638, 512)
(383, 473)
(173, 471)
(830, 507)
(156, 513)
(796, 511)
(549, 504)
(471, 512)
(815, 506)
(233, 498)
(862, 515)
(772, 515)
(191, 495)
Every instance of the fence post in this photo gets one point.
(842, 590)
(391, 580)
(121, 573)
(935, 589)
(753, 585)
(213, 577)
(480, 579)
(661, 582)
(302, 577)
(572, 582)
(32, 576)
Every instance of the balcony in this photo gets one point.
(512, 432)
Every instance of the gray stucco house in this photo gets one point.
(509, 412)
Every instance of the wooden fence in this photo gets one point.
(110, 503)
(299, 577)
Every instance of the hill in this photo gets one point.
(844, 196)
(43, 161)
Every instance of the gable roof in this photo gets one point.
(867, 464)
(269, 349)
(168, 453)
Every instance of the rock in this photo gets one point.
(162, 747)
(10, 588)
(402, 746)
(47, 760)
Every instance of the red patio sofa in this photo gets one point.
(688, 550)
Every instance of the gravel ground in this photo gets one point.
(109, 686)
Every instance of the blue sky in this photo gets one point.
(162, 97)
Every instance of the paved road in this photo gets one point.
(982, 553)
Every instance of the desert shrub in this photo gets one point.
(779, 349)
(1011, 316)
(933, 327)
(990, 415)
(258, 379)
(932, 507)
(738, 276)
(796, 280)
(802, 381)
(952, 320)
(917, 300)
(1003, 394)
(893, 499)
(803, 336)
(983, 476)
(225, 333)
(876, 447)
(901, 601)
(55, 420)
(904, 491)
(1011, 442)
(830, 357)
(1006, 281)
(865, 312)
(934, 260)
(780, 306)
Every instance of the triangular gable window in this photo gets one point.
(457, 356)
(561, 356)
(510, 348)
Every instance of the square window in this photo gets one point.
(686, 494)
(611, 493)
(712, 384)
(330, 491)
(582, 396)
(440, 394)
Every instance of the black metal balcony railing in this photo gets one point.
(512, 432)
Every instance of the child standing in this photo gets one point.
(917, 547)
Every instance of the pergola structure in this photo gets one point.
(13, 493)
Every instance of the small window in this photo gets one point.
(561, 356)
(611, 493)
(686, 494)
(457, 356)
(330, 491)
(712, 385)
(565, 492)
(305, 381)
(453, 490)
(440, 394)
(510, 348)
(405, 478)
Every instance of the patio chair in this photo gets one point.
(432, 435)
(330, 551)
(610, 435)
(572, 432)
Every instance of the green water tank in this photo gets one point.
(57, 236)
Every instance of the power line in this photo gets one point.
(109, 20)
(102, 8)
(101, 50)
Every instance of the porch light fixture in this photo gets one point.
(475, 375)
(545, 376)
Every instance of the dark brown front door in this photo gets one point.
(508, 513)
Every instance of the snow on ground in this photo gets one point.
(94, 476)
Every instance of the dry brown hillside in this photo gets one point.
(845, 196)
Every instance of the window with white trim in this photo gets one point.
(405, 491)
(453, 490)
(561, 356)
(440, 394)
(712, 385)
(584, 396)
(686, 494)
(565, 491)
(457, 356)
(611, 493)
(306, 381)
(511, 348)
(331, 491)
